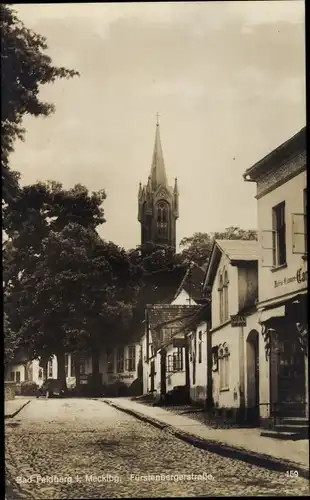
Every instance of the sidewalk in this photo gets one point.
(244, 444)
(13, 406)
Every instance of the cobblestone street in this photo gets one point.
(81, 448)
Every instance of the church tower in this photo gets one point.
(158, 202)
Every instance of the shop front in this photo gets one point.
(285, 331)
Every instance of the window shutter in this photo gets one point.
(298, 232)
(267, 247)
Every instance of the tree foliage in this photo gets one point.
(32, 222)
(24, 68)
(197, 248)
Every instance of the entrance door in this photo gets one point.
(291, 377)
(252, 376)
(152, 376)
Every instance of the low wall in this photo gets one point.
(9, 390)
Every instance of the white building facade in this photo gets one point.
(283, 273)
(232, 279)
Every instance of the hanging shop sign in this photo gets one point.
(238, 320)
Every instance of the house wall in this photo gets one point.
(228, 398)
(173, 379)
(253, 327)
(274, 283)
(177, 378)
(247, 285)
(233, 302)
(13, 369)
(198, 384)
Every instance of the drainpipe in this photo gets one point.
(209, 401)
(242, 373)
(187, 372)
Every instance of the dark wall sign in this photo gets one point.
(238, 320)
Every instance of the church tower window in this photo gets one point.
(158, 207)
(162, 218)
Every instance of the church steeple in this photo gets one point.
(158, 202)
(158, 170)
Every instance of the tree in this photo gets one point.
(24, 68)
(197, 248)
(82, 291)
(39, 211)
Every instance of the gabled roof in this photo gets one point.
(159, 288)
(295, 144)
(237, 251)
(192, 283)
(165, 321)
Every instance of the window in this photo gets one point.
(82, 366)
(120, 360)
(215, 360)
(110, 361)
(170, 363)
(40, 374)
(72, 365)
(162, 218)
(50, 369)
(178, 360)
(220, 290)
(279, 235)
(66, 365)
(200, 347)
(305, 219)
(131, 361)
(225, 296)
(12, 376)
(17, 377)
(223, 359)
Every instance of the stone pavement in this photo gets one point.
(84, 449)
(293, 454)
(13, 406)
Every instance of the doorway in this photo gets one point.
(252, 370)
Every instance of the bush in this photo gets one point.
(29, 388)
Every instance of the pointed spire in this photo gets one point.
(149, 185)
(158, 171)
(140, 190)
(176, 189)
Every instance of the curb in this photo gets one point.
(12, 415)
(265, 461)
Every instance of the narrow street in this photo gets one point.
(82, 448)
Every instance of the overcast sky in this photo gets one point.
(227, 79)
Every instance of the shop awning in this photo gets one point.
(275, 312)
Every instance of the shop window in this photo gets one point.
(223, 359)
(279, 235)
(17, 375)
(12, 376)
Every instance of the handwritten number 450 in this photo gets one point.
(292, 473)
